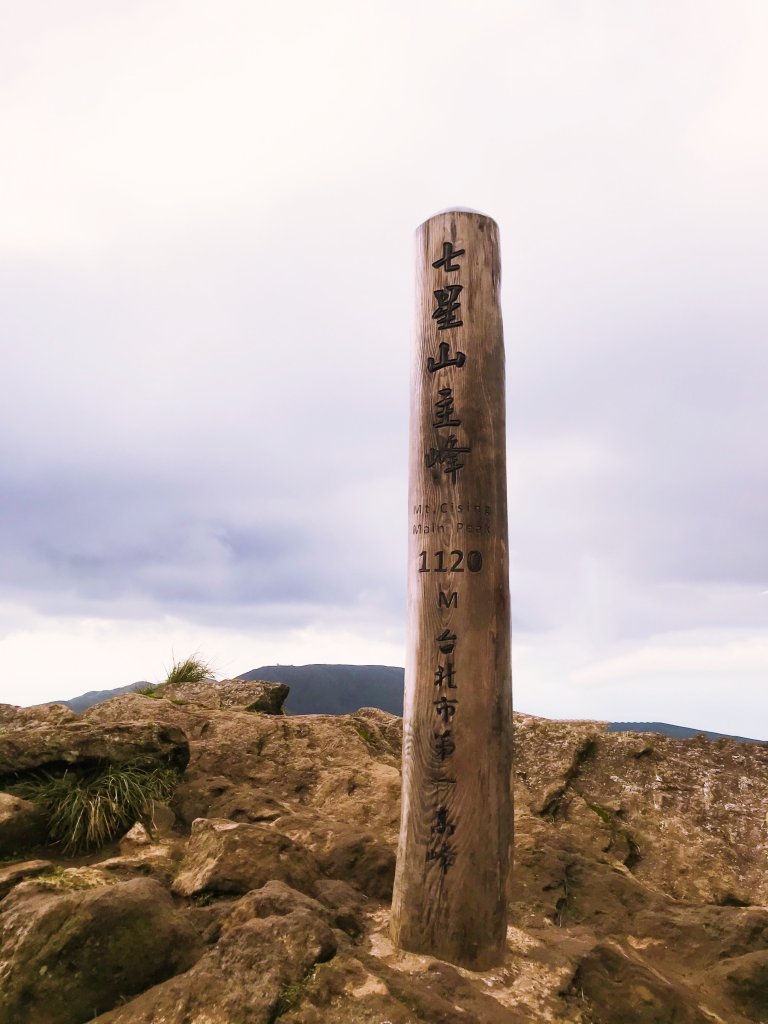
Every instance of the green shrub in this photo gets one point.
(86, 809)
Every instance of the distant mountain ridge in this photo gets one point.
(680, 732)
(343, 689)
(336, 689)
(87, 700)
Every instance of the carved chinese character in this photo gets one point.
(444, 746)
(449, 456)
(444, 676)
(445, 708)
(442, 361)
(444, 413)
(446, 642)
(447, 304)
(445, 855)
(442, 825)
(449, 254)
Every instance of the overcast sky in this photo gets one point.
(206, 276)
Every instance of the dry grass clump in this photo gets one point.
(88, 809)
(190, 670)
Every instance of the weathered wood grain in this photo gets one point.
(454, 856)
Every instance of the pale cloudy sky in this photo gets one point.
(206, 220)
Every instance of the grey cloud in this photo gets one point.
(83, 543)
(206, 412)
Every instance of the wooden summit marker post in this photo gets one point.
(450, 897)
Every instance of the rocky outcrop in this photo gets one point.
(22, 825)
(689, 817)
(12, 874)
(253, 695)
(745, 980)
(620, 986)
(258, 969)
(66, 956)
(363, 860)
(36, 717)
(82, 742)
(231, 857)
(639, 893)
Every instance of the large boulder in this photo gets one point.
(619, 986)
(35, 717)
(363, 860)
(255, 973)
(346, 904)
(232, 857)
(669, 810)
(237, 694)
(331, 768)
(275, 899)
(745, 980)
(66, 956)
(22, 825)
(88, 742)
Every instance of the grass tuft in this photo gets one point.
(190, 670)
(291, 995)
(150, 690)
(88, 809)
(204, 898)
(365, 734)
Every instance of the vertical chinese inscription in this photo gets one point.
(449, 455)
(448, 452)
(454, 851)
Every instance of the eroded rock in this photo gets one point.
(671, 810)
(618, 986)
(257, 968)
(254, 695)
(275, 899)
(22, 825)
(231, 857)
(346, 903)
(35, 717)
(745, 980)
(65, 956)
(638, 878)
(12, 874)
(363, 860)
(136, 837)
(84, 742)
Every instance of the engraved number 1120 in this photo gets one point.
(456, 558)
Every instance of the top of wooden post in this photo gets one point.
(458, 209)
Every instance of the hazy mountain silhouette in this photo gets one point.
(342, 689)
(680, 732)
(336, 689)
(87, 700)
